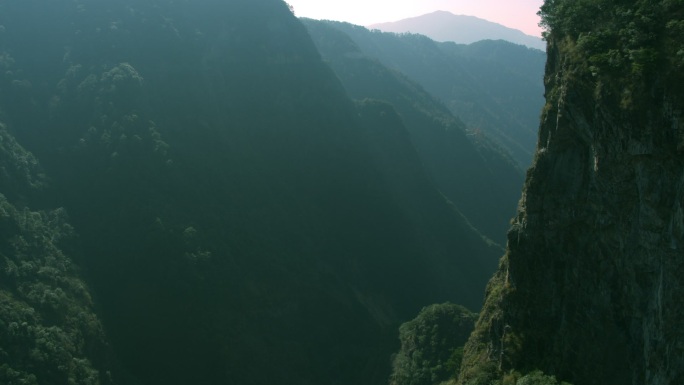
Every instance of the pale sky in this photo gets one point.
(518, 14)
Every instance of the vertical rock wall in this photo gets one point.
(590, 289)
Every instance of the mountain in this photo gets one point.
(190, 196)
(590, 289)
(495, 87)
(479, 179)
(445, 26)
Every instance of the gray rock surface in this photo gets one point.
(591, 288)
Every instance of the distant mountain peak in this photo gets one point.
(462, 29)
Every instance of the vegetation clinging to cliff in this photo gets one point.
(626, 43)
(613, 81)
(432, 345)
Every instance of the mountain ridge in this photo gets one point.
(445, 26)
(495, 87)
(479, 178)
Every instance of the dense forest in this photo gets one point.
(432, 345)
(190, 195)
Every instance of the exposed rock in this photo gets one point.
(590, 289)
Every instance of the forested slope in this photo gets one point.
(477, 176)
(235, 216)
(494, 87)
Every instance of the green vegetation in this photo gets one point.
(432, 345)
(538, 378)
(20, 173)
(49, 333)
(624, 46)
(238, 219)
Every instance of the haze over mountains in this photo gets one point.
(494, 87)
(445, 26)
(472, 171)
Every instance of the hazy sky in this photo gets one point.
(518, 14)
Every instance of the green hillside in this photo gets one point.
(233, 217)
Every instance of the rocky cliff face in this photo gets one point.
(590, 289)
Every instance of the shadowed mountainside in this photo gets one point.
(237, 218)
(474, 174)
(494, 87)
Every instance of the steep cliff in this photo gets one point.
(590, 289)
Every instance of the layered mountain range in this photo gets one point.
(445, 26)
(474, 173)
(190, 195)
(494, 87)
